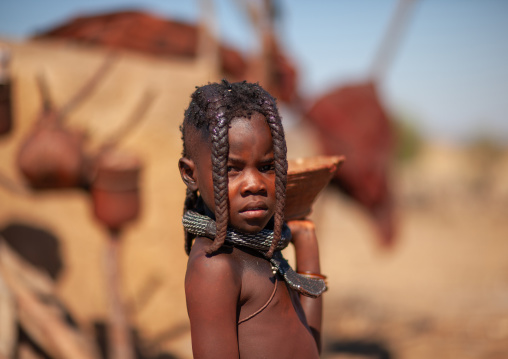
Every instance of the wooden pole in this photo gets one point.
(391, 39)
(119, 336)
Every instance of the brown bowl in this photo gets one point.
(306, 178)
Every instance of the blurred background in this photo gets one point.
(413, 227)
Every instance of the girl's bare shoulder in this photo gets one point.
(219, 266)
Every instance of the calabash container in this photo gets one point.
(5, 107)
(5, 93)
(115, 189)
(51, 156)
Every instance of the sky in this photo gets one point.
(448, 76)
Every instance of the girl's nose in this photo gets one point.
(253, 183)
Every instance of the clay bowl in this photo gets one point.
(306, 178)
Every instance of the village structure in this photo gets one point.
(413, 235)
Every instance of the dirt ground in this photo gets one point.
(441, 292)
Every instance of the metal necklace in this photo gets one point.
(204, 226)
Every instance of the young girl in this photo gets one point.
(243, 298)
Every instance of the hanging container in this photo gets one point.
(52, 156)
(5, 107)
(115, 189)
(5, 93)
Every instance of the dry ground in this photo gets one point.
(442, 292)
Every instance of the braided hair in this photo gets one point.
(210, 111)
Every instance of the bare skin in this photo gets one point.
(235, 282)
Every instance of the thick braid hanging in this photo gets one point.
(220, 151)
(281, 167)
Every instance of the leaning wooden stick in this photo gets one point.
(45, 326)
(135, 117)
(87, 88)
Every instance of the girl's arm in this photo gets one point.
(212, 288)
(307, 260)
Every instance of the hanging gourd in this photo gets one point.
(52, 156)
(115, 188)
(5, 93)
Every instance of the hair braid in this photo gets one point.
(281, 167)
(220, 151)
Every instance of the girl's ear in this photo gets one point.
(187, 169)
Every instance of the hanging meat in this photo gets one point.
(352, 121)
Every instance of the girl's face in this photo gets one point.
(251, 174)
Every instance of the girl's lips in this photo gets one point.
(253, 213)
(254, 210)
(254, 206)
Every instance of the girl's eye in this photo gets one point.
(232, 169)
(267, 168)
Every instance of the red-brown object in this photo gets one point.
(116, 202)
(115, 189)
(147, 33)
(5, 107)
(5, 93)
(351, 121)
(143, 32)
(51, 156)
